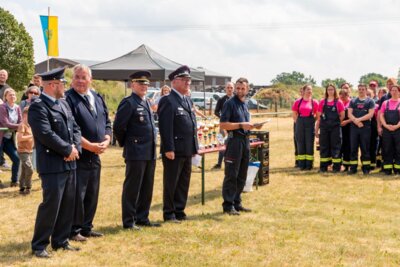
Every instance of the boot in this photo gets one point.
(336, 167)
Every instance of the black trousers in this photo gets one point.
(346, 147)
(360, 138)
(305, 134)
(296, 153)
(391, 150)
(330, 143)
(55, 214)
(237, 156)
(87, 195)
(176, 181)
(137, 191)
(374, 143)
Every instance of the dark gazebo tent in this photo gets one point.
(142, 58)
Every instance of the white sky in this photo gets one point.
(252, 38)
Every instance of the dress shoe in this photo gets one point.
(41, 253)
(68, 247)
(232, 212)
(148, 224)
(92, 234)
(171, 220)
(78, 238)
(216, 167)
(132, 228)
(242, 209)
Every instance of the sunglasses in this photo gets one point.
(33, 93)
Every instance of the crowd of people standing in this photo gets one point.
(343, 125)
(67, 130)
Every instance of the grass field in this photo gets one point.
(299, 219)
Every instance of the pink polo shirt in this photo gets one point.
(306, 107)
(339, 105)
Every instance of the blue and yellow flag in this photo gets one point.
(50, 33)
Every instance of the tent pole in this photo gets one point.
(204, 98)
(126, 87)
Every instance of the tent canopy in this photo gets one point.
(142, 58)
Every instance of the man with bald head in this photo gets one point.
(218, 108)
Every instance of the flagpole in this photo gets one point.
(48, 39)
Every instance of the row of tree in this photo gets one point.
(298, 78)
(16, 56)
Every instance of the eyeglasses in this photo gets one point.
(33, 93)
(185, 79)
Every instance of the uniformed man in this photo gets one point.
(235, 118)
(177, 124)
(91, 115)
(360, 112)
(57, 140)
(218, 108)
(135, 130)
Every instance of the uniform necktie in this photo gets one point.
(90, 105)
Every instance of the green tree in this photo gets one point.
(373, 76)
(294, 78)
(16, 51)
(337, 82)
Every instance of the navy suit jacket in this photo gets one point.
(55, 131)
(135, 129)
(178, 126)
(94, 125)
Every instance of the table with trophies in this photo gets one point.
(210, 141)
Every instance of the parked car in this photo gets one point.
(199, 102)
(252, 104)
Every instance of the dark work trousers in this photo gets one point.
(55, 214)
(237, 156)
(305, 134)
(379, 158)
(360, 138)
(296, 163)
(391, 150)
(137, 191)
(87, 195)
(176, 181)
(345, 150)
(374, 142)
(330, 142)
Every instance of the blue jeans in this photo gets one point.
(9, 148)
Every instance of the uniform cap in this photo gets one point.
(55, 74)
(141, 77)
(183, 71)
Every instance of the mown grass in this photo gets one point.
(299, 219)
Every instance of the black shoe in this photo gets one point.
(171, 220)
(216, 167)
(323, 170)
(181, 217)
(232, 212)
(41, 253)
(92, 234)
(242, 209)
(351, 172)
(78, 238)
(68, 247)
(132, 228)
(388, 172)
(149, 224)
(22, 190)
(365, 172)
(14, 184)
